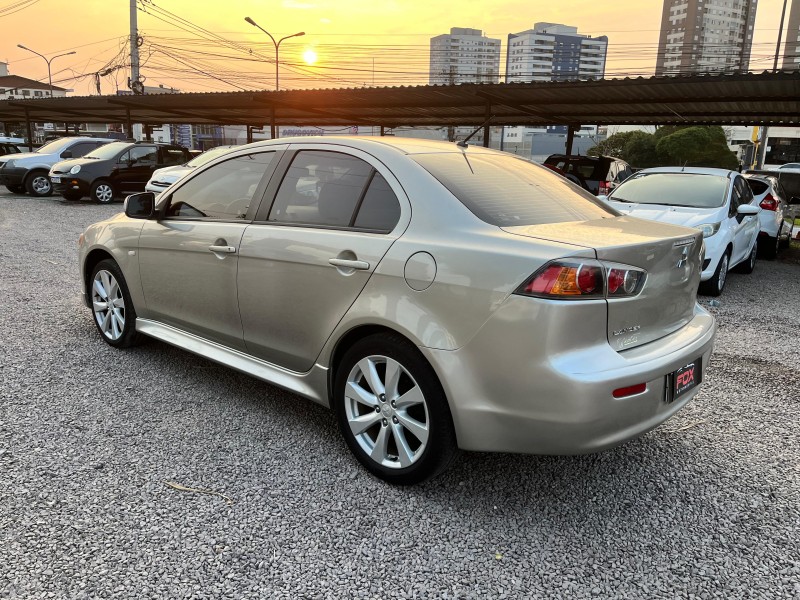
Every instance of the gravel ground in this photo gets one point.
(706, 506)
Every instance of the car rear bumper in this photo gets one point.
(12, 176)
(511, 390)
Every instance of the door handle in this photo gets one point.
(343, 263)
(223, 249)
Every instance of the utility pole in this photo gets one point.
(133, 83)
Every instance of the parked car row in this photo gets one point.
(101, 168)
(733, 211)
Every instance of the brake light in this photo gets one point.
(565, 279)
(769, 203)
(604, 188)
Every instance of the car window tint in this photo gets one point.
(223, 191)
(172, 156)
(380, 208)
(321, 188)
(504, 190)
(82, 148)
(124, 158)
(144, 156)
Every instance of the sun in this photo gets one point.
(310, 56)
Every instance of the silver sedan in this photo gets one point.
(435, 296)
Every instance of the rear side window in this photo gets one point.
(505, 190)
(380, 208)
(321, 188)
(757, 185)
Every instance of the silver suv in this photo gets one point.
(27, 172)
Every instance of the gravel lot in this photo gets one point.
(706, 506)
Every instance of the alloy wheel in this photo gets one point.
(41, 185)
(386, 411)
(723, 272)
(108, 305)
(103, 193)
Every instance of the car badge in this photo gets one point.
(684, 257)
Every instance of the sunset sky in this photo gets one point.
(357, 42)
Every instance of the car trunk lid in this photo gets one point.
(671, 256)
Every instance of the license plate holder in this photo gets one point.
(683, 380)
(55, 179)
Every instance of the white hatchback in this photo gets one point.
(716, 201)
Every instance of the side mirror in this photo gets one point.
(141, 205)
(748, 209)
(66, 154)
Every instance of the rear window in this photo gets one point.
(757, 185)
(673, 189)
(505, 191)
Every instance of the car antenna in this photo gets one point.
(463, 143)
(683, 168)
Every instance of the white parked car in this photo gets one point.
(165, 177)
(774, 217)
(716, 201)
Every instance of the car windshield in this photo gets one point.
(108, 151)
(53, 147)
(208, 155)
(504, 190)
(695, 190)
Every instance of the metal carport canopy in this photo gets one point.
(737, 99)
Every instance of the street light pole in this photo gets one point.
(277, 44)
(49, 75)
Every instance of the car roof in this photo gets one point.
(367, 143)
(690, 171)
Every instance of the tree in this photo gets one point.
(612, 145)
(696, 147)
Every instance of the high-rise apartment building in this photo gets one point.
(705, 36)
(554, 52)
(791, 51)
(464, 56)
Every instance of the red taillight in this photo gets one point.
(630, 390)
(589, 279)
(604, 188)
(566, 279)
(769, 203)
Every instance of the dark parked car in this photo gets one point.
(597, 174)
(114, 169)
(9, 148)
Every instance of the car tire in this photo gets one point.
(403, 442)
(102, 192)
(112, 308)
(749, 263)
(16, 189)
(715, 285)
(38, 184)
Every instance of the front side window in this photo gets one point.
(224, 191)
(321, 188)
(82, 148)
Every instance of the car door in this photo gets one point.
(189, 258)
(306, 258)
(745, 227)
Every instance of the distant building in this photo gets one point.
(791, 52)
(464, 56)
(705, 36)
(554, 52)
(14, 87)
